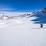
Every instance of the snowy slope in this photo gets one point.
(40, 17)
(22, 32)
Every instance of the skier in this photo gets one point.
(41, 25)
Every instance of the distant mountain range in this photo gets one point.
(40, 16)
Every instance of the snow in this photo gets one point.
(40, 17)
(22, 32)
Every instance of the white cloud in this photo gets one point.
(13, 13)
(4, 10)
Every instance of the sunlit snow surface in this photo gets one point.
(22, 32)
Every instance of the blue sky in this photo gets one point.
(22, 5)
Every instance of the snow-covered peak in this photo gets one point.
(40, 17)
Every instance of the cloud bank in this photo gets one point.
(13, 13)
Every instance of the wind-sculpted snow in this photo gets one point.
(41, 17)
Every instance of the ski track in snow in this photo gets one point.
(21, 32)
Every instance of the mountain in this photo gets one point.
(21, 30)
(40, 17)
(4, 17)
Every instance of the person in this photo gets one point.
(41, 25)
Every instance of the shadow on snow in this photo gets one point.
(41, 18)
